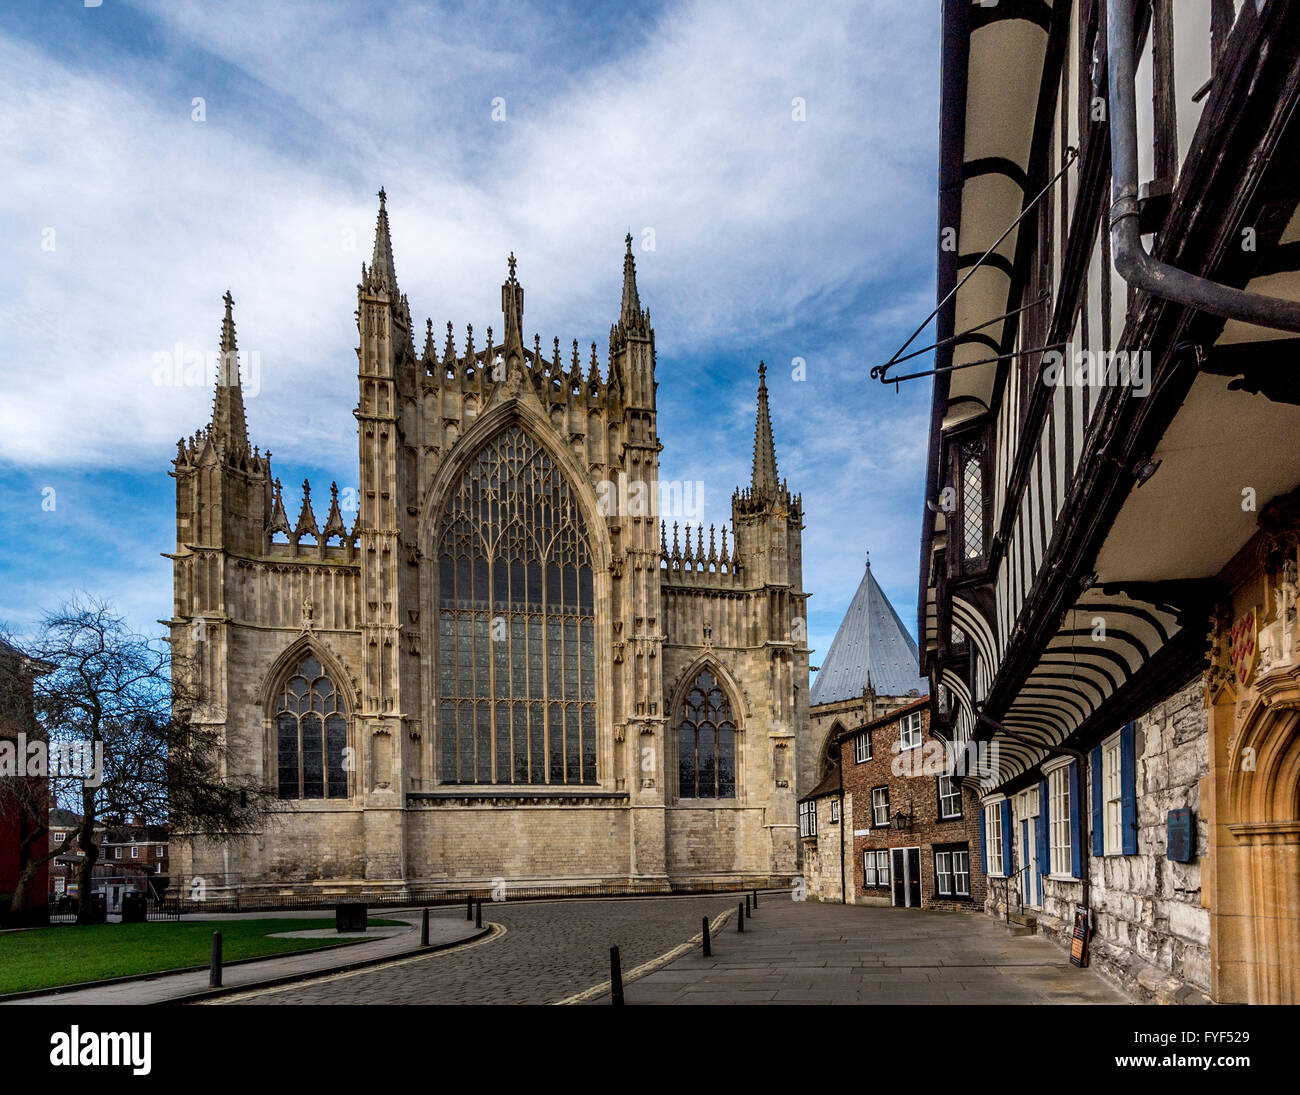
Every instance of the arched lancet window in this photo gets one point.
(311, 732)
(516, 623)
(706, 742)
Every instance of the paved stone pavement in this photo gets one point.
(550, 950)
(790, 953)
(810, 953)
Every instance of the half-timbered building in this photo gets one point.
(1108, 565)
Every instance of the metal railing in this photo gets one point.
(1020, 893)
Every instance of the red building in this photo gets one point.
(893, 824)
(133, 858)
(24, 798)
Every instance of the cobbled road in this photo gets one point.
(551, 950)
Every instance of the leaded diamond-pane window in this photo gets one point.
(311, 735)
(516, 623)
(706, 742)
(972, 493)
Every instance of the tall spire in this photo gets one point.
(631, 311)
(632, 321)
(229, 428)
(382, 273)
(765, 479)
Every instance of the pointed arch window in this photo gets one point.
(311, 732)
(516, 623)
(706, 742)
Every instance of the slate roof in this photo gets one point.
(830, 785)
(871, 640)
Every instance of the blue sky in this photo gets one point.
(124, 220)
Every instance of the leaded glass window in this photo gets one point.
(311, 732)
(706, 742)
(972, 491)
(516, 623)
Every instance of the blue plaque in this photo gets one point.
(1181, 842)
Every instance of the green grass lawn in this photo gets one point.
(67, 954)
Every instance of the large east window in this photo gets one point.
(311, 732)
(1058, 799)
(516, 623)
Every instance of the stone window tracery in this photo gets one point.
(311, 732)
(516, 623)
(706, 742)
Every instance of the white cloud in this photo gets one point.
(681, 122)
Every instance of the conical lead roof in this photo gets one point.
(871, 645)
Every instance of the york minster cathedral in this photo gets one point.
(493, 667)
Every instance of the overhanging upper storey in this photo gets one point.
(1091, 442)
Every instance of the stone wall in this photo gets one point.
(518, 842)
(1151, 933)
(821, 855)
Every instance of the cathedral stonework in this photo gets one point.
(501, 669)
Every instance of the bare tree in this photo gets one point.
(115, 707)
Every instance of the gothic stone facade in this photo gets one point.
(501, 670)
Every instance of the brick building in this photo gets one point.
(891, 825)
(134, 857)
(24, 798)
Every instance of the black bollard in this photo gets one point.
(469, 907)
(424, 928)
(740, 918)
(748, 911)
(214, 970)
(615, 976)
(756, 899)
(708, 942)
(478, 915)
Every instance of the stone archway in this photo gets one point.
(1255, 906)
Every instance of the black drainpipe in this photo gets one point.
(1137, 267)
(1085, 835)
